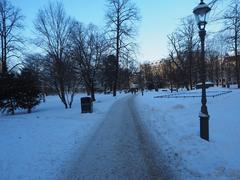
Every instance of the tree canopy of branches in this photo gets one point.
(121, 18)
(232, 27)
(54, 30)
(10, 24)
(183, 45)
(89, 48)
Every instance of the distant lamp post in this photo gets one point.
(201, 14)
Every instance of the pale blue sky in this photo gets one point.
(159, 18)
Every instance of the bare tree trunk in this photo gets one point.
(71, 100)
(116, 75)
(62, 93)
(10, 18)
(117, 56)
(237, 61)
(63, 99)
(3, 43)
(92, 91)
(190, 69)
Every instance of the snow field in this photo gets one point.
(174, 125)
(40, 145)
(43, 145)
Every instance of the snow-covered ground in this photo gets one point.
(174, 124)
(41, 145)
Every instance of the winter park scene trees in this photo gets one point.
(119, 89)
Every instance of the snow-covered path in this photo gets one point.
(118, 150)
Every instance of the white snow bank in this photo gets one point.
(39, 145)
(174, 124)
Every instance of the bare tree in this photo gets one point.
(213, 65)
(10, 24)
(121, 17)
(178, 57)
(187, 34)
(170, 73)
(232, 27)
(89, 48)
(222, 48)
(54, 30)
(183, 46)
(213, 3)
(216, 50)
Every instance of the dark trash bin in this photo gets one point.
(86, 105)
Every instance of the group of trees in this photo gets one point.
(73, 56)
(231, 31)
(19, 90)
(181, 68)
(183, 49)
(78, 55)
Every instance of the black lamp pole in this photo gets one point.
(204, 117)
(200, 13)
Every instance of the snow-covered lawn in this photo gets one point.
(40, 145)
(174, 125)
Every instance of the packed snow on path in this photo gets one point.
(117, 150)
(40, 145)
(174, 126)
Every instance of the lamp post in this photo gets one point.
(201, 12)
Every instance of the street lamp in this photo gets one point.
(201, 14)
